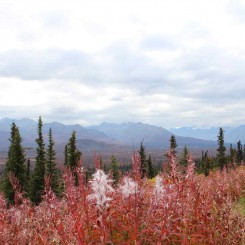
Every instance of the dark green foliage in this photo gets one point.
(206, 163)
(28, 169)
(66, 155)
(28, 175)
(239, 155)
(173, 145)
(37, 188)
(184, 160)
(143, 165)
(15, 164)
(151, 172)
(221, 150)
(114, 169)
(73, 155)
(51, 169)
(233, 153)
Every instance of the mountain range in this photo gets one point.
(116, 137)
(231, 134)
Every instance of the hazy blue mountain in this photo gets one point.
(153, 136)
(61, 132)
(231, 134)
(107, 135)
(206, 134)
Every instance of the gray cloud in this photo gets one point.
(197, 84)
(46, 64)
(201, 73)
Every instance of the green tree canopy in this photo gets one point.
(37, 187)
(173, 145)
(73, 155)
(51, 169)
(143, 165)
(114, 169)
(15, 164)
(221, 149)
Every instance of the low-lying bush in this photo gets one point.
(173, 208)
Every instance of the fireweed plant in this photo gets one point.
(177, 207)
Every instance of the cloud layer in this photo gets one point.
(162, 62)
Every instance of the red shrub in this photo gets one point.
(172, 209)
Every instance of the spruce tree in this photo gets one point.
(151, 172)
(114, 169)
(51, 169)
(173, 145)
(184, 161)
(38, 185)
(233, 154)
(28, 175)
(15, 164)
(239, 152)
(73, 154)
(221, 150)
(143, 165)
(66, 155)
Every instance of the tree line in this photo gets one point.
(32, 182)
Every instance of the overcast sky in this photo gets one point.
(170, 63)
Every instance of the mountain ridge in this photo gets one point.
(109, 134)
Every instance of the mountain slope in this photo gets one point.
(231, 135)
(61, 132)
(153, 136)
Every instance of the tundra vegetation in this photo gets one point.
(187, 202)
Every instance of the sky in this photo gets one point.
(170, 63)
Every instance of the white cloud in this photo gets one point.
(171, 63)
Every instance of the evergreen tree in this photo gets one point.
(28, 169)
(66, 155)
(207, 164)
(15, 164)
(185, 156)
(51, 169)
(37, 188)
(28, 175)
(151, 172)
(233, 153)
(73, 154)
(173, 145)
(143, 165)
(221, 150)
(114, 169)
(239, 152)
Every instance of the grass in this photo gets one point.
(241, 205)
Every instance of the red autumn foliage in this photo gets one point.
(175, 208)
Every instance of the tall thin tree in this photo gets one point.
(173, 145)
(37, 188)
(114, 169)
(239, 152)
(143, 164)
(221, 150)
(73, 154)
(150, 170)
(51, 168)
(15, 164)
